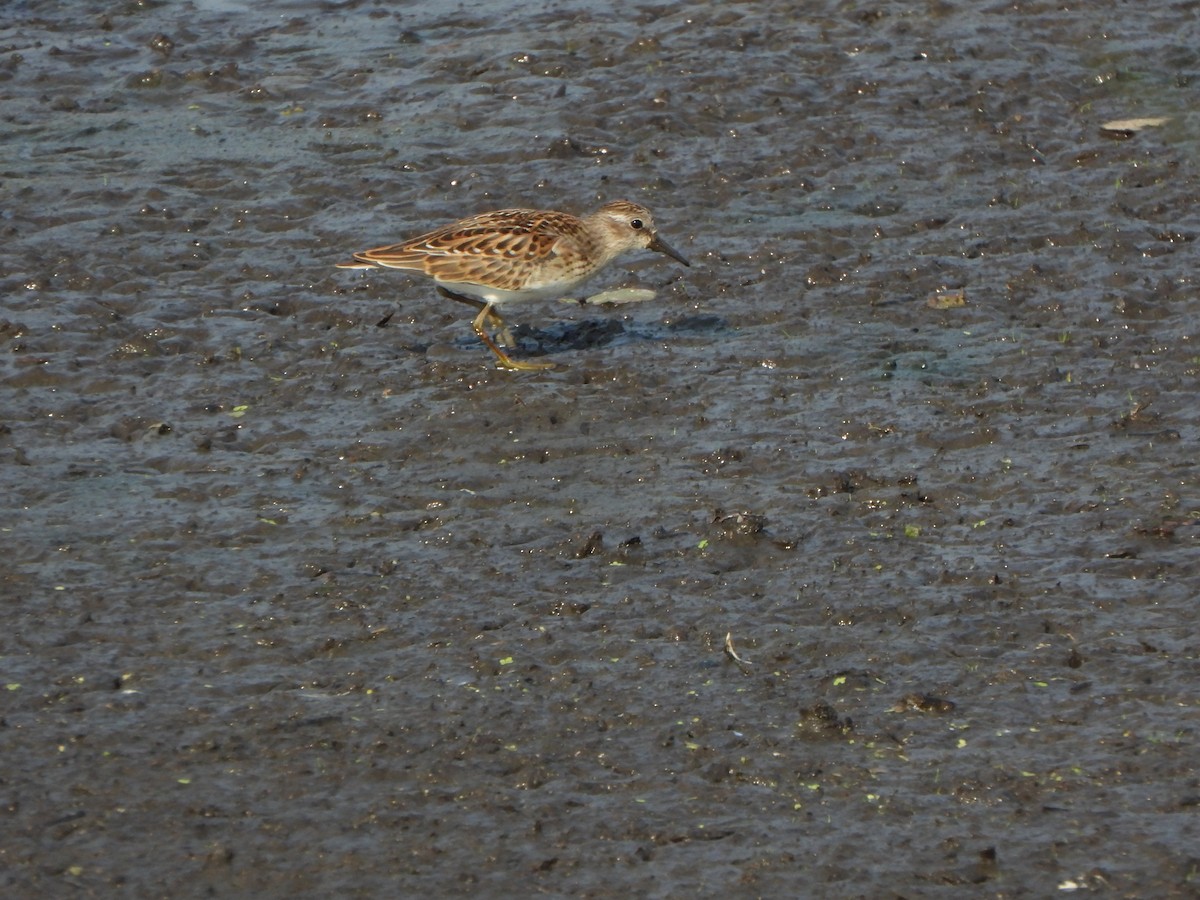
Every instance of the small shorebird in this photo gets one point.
(515, 255)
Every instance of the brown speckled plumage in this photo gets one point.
(514, 255)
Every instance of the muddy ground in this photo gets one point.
(304, 598)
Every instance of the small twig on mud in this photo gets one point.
(743, 664)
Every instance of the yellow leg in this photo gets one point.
(507, 362)
(489, 316)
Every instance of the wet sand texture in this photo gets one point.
(303, 598)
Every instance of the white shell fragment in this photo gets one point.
(1131, 126)
(620, 297)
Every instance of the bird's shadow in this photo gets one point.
(584, 334)
(593, 333)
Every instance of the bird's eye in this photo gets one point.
(635, 223)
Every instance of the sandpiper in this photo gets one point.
(515, 255)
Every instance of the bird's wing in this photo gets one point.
(500, 249)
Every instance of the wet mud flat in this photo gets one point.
(860, 561)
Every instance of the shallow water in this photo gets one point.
(305, 598)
